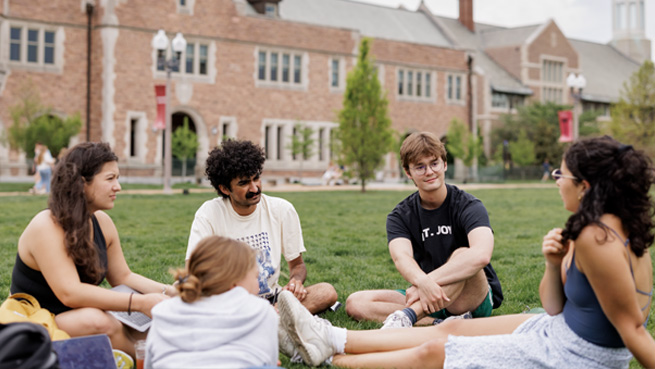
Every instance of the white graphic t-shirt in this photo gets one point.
(273, 229)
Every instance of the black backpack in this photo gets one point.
(26, 346)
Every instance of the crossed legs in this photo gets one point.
(376, 305)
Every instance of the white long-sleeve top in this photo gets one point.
(232, 330)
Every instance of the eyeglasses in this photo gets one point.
(421, 169)
(557, 174)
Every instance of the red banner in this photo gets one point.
(160, 95)
(565, 125)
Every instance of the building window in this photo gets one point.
(190, 53)
(14, 43)
(286, 62)
(499, 100)
(414, 84)
(620, 16)
(334, 73)
(552, 71)
(193, 60)
(279, 68)
(455, 88)
(133, 131)
(552, 94)
(32, 45)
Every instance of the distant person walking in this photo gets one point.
(546, 170)
(43, 162)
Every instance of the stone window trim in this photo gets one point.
(203, 69)
(140, 138)
(281, 68)
(455, 88)
(416, 85)
(42, 30)
(276, 138)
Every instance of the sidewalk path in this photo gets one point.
(304, 188)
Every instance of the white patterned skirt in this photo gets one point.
(542, 341)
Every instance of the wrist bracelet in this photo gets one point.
(129, 304)
(163, 291)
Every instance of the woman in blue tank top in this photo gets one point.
(596, 289)
(67, 250)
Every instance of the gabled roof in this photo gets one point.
(499, 78)
(500, 37)
(605, 69)
(370, 20)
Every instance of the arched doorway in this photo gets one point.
(180, 167)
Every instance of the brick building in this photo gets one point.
(253, 69)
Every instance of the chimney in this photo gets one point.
(466, 14)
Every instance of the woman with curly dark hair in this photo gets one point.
(67, 250)
(596, 289)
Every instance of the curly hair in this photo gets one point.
(68, 203)
(215, 266)
(620, 178)
(233, 159)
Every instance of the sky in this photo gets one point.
(589, 20)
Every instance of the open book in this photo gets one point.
(137, 320)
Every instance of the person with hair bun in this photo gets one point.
(597, 288)
(217, 321)
(67, 250)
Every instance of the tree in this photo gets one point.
(522, 151)
(633, 116)
(364, 132)
(462, 144)
(33, 122)
(184, 144)
(541, 125)
(302, 144)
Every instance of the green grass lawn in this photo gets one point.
(344, 234)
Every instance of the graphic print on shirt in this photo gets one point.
(436, 231)
(260, 243)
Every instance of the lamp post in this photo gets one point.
(576, 84)
(160, 43)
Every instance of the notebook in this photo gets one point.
(137, 320)
(92, 352)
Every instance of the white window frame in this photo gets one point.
(140, 137)
(40, 64)
(415, 89)
(297, 60)
(227, 128)
(451, 92)
(271, 10)
(186, 8)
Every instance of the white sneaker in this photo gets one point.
(286, 345)
(397, 319)
(466, 315)
(311, 335)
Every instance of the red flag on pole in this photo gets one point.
(565, 125)
(160, 95)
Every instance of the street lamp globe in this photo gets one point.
(179, 44)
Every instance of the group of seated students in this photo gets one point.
(227, 308)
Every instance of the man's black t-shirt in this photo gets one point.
(436, 234)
